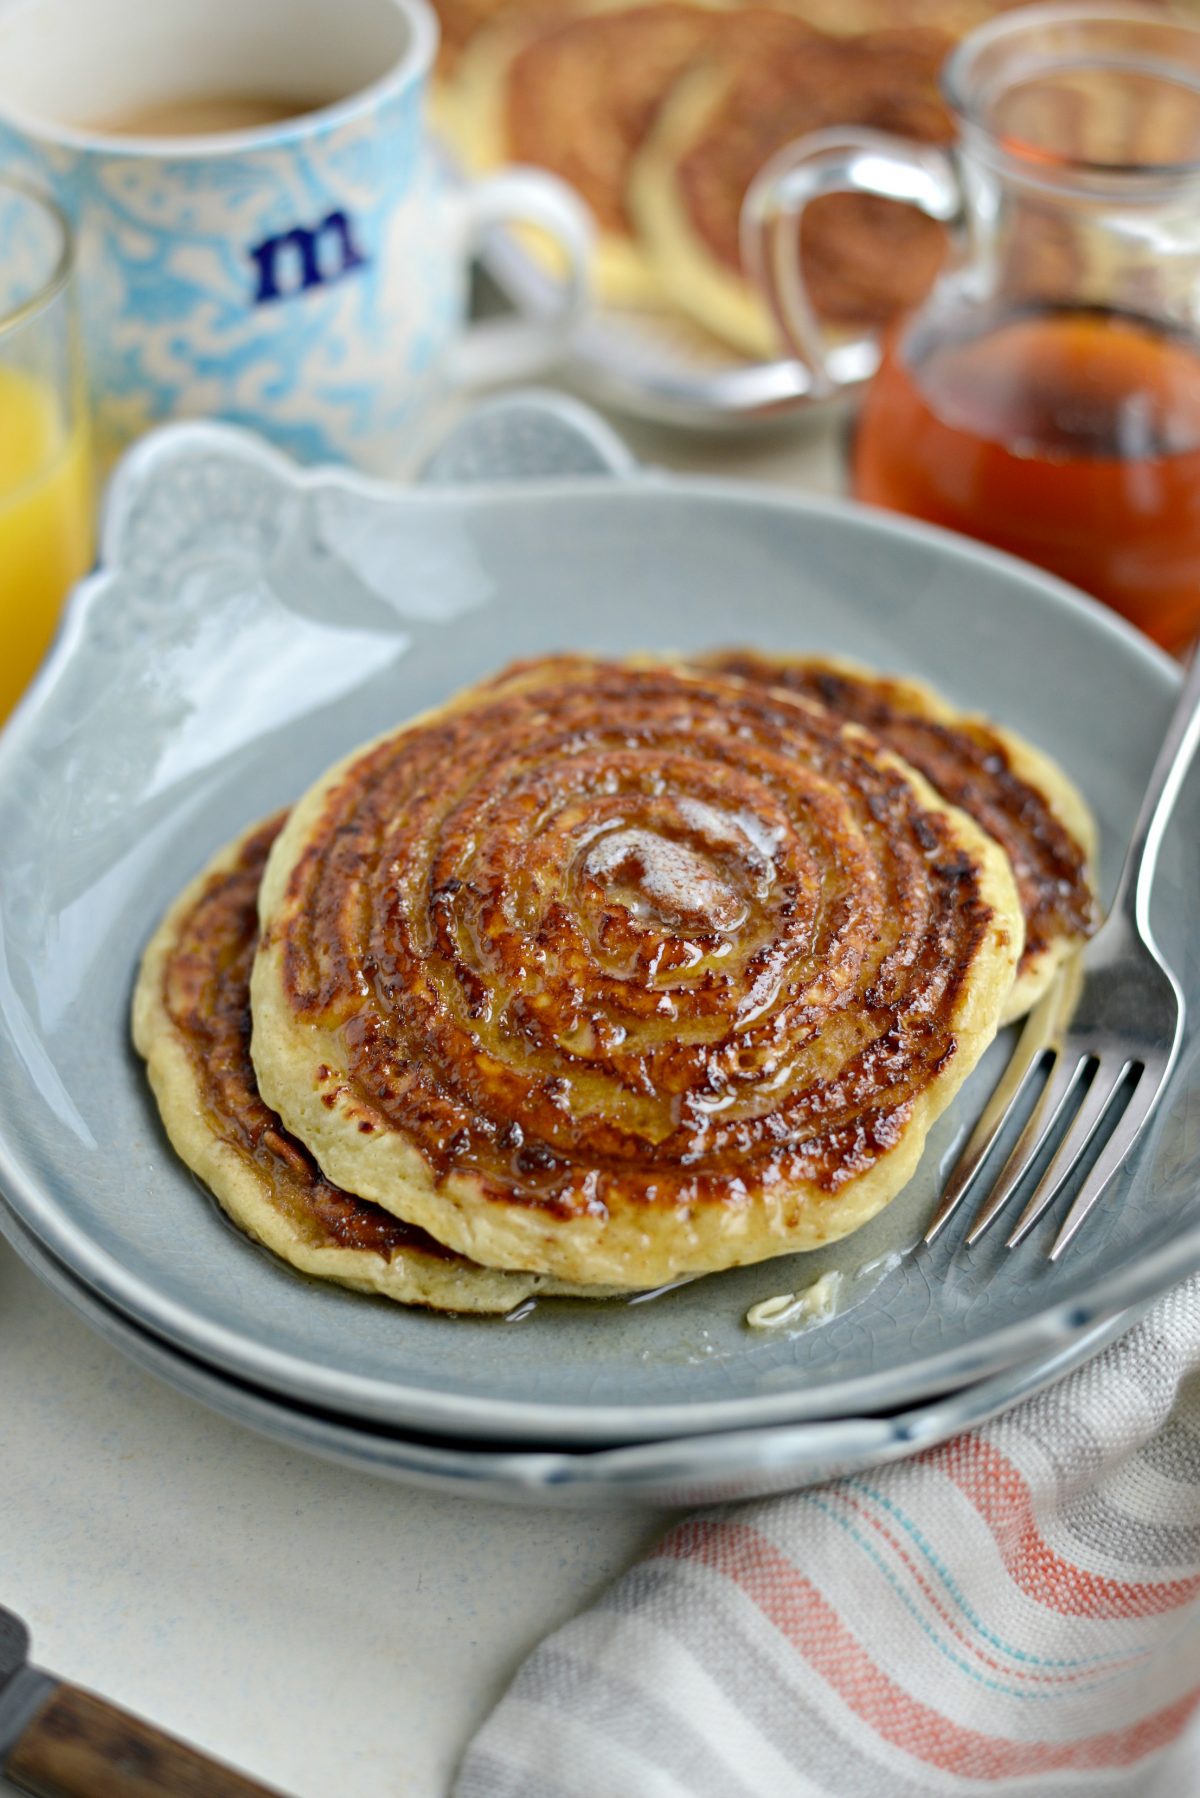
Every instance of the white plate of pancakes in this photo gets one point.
(580, 890)
(660, 113)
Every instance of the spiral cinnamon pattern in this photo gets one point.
(581, 95)
(1013, 793)
(206, 992)
(619, 971)
(192, 1022)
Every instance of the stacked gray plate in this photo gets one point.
(251, 622)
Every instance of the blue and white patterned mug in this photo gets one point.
(306, 278)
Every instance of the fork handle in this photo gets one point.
(1167, 776)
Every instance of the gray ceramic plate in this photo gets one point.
(252, 623)
(684, 1470)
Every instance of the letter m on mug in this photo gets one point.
(306, 256)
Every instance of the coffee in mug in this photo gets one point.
(195, 115)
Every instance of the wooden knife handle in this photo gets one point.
(79, 1746)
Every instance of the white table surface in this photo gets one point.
(334, 1634)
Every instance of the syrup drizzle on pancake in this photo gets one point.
(968, 763)
(605, 931)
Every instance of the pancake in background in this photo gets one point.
(845, 18)
(625, 971)
(865, 259)
(577, 97)
(461, 21)
(1014, 791)
(191, 1021)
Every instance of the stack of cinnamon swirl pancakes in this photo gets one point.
(608, 973)
(662, 112)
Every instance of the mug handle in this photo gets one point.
(514, 349)
(832, 162)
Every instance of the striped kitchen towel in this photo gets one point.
(1016, 1612)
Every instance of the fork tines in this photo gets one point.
(1079, 1103)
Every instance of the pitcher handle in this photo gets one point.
(832, 162)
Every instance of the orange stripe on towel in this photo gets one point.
(1002, 1498)
(810, 1624)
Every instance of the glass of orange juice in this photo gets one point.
(46, 509)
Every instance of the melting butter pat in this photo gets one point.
(813, 1305)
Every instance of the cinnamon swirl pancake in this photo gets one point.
(191, 1021)
(460, 21)
(621, 971)
(865, 259)
(1017, 794)
(577, 95)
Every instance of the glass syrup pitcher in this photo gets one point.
(1046, 396)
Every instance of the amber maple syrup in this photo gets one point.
(1070, 437)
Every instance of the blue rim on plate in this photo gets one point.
(253, 621)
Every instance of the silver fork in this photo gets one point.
(1109, 1028)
